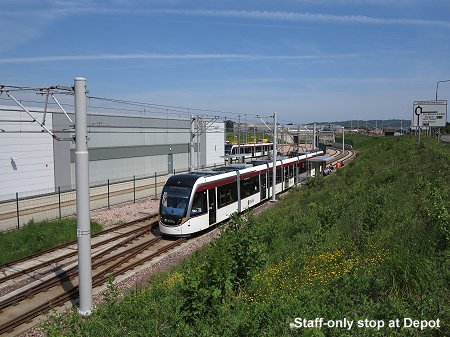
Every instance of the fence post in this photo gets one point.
(17, 209)
(59, 201)
(108, 195)
(134, 189)
(155, 185)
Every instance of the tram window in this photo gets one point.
(199, 204)
(226, 194)
(278, 178)
(302, 167)
(286, 172)
(249, 186)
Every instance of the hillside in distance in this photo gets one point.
(372, 123)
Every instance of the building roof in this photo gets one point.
(320, 159)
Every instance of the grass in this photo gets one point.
(370, 242)
(37, 237)
(259, 136)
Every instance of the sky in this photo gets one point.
(307, 60)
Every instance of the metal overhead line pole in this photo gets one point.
(225, 130)
(274, 156)
(246, 130)
(82, 180)
(254, 139)
(191, 145)
(313, 143)
(239, 134)
(198, 143)
(437, 87)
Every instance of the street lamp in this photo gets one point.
(437, 86)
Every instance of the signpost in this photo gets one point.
(429, 114)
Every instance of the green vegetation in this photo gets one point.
(37, 237)
(370, 242)
(259, 136)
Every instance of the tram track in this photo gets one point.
(71, 272)
(59, 289)
(13, 269)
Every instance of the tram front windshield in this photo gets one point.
(174, 200)
(228, 149)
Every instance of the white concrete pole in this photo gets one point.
(343, 142)
(83, 216)
(274, 156)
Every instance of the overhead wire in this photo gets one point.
(161, 109)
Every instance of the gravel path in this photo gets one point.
(123, 213)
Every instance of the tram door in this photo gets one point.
(296, 173)
(263, 192)
(212, 206)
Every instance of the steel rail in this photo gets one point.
(73, 272)
(99, 279)
(47, 263)
(73, 242)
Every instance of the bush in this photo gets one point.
(221, 270)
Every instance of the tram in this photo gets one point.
(249, 150)
(193, 202)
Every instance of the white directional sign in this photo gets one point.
(430, 113)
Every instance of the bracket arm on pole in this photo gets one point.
(31, 115)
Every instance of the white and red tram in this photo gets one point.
(249, 150)
(195, 201)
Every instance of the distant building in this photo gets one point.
(389, 131)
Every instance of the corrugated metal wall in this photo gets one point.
(120, 147)
(26, 159)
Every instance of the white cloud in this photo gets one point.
(305, 17)
(146, 56)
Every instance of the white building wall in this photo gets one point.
(215, 144)
(120, 147)
(26, 159)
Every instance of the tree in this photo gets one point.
(229, 125)
(447, 128)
